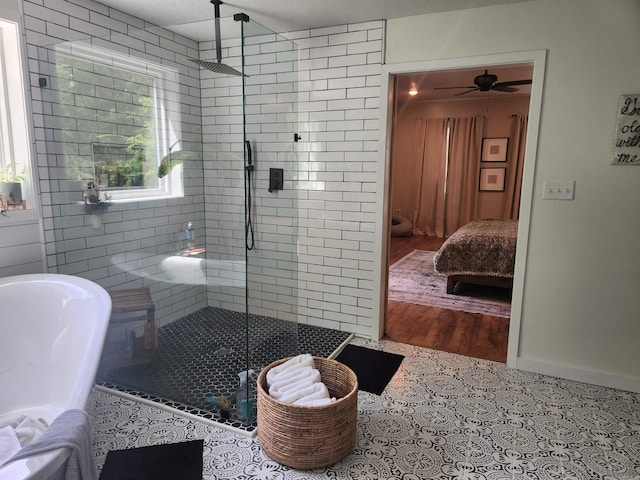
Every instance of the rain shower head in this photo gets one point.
(218, 67)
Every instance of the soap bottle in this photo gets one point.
(189, 235)
(245, 409)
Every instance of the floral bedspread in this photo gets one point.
(481, 247)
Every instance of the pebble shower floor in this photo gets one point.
(200, 355)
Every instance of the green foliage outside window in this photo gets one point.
(10, 174)
(108, 128)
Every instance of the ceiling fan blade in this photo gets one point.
(449, 88)
(512, 83)
(462, 93)
(502, 88)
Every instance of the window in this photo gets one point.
(121, 166)
(15, 178)
(119, 120)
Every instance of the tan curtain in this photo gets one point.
(511, 207)
(430, 145)
(465, 140)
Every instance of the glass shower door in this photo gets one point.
(270, 122)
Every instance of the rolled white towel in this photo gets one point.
(319, 402)
(277, 390)
(318, 392)
(300, 360)
(288, 375)
(302, 391)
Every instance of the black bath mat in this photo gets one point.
(157, 462)
(373, 368)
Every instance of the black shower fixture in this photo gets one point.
(218, 66)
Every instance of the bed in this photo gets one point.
(481, 252)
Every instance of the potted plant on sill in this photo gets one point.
(11, 185)
(96, 202)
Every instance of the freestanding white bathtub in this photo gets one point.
(52, 328)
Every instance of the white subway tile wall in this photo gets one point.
(314, 239)
(312, 260)
(85, 102)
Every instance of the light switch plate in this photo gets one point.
(558, 190)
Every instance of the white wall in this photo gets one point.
(580, 312)
(21, 248)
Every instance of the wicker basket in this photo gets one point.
(310, 437)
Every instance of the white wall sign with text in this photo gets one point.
(626, 143)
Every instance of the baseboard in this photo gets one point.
(621, 382)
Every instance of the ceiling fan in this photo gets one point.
(488, 81)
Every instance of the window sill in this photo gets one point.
(126, 200)
(19, 217)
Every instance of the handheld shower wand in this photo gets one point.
(249, 225)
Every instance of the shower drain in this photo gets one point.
(223, 351)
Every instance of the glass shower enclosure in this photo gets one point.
(175, 188)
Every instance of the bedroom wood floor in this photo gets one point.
(470, 334)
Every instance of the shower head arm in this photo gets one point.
(217, 66)
(216, 5)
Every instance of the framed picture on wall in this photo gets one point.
(492, 179)
(494, 149)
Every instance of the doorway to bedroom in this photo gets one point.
(456, 155)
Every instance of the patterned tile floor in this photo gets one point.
(442, 416)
